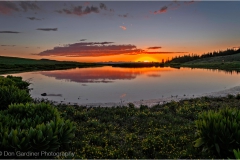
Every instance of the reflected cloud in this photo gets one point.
(154, 75)
(102, 75)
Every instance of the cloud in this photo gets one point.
(8, 45)
(123, 27)
(33, 18)
(47, 29)
(7, 7)
(103, 6)
(67, 11)
(154, 75)
(29, 6)
(86, 3)
(162, 10)
(9, 32)
(172, 6)
(189, 2)
(83, 39)
(123, 95)
(154, 47)
(79, 10)
(96, 49)
(91, 49)
(123, 15)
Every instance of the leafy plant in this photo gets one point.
(219, 131)
(236, 153)
(19, 82)
(12, 94)
(6, 82)
(34, 127)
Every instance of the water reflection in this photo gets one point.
(91, 85)
(218, 70)
(103, 74)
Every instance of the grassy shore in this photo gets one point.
(226, 63)
(16, 65)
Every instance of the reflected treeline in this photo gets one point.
(220, 70)
(138, 64)
(102, 74)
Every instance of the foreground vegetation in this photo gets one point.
(194, 128)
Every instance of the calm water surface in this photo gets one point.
(110, 84)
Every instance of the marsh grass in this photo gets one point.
(161, 131)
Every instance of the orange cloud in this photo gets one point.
(154, 47)
(123, 27)
(96, 49)
(162, 10)
(8, 7)
(91, 49)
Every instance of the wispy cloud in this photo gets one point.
(123, 27)
(103, 6)
(144, 52)
(162, 10)
(29, 6)
(34, 18)
(83, 39)
(91, 49)
(123, 15)
(9, 32)
(47, 29)
(79, 10)
(7, 7)
(84, 10)
(172, 6)
(189, 2)
(154, 47)
(8, 45)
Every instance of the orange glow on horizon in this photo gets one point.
(146, 59)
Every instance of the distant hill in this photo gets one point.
(17, 60)
(230, 58)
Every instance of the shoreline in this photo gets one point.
(151, 102)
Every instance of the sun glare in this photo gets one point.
(146, 59)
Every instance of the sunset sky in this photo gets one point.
(100, 31)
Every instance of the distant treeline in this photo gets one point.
(187, 58)
(138, 65)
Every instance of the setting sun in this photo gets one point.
(146, 59)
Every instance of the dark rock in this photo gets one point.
(43, 94)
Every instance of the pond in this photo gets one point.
(117, 85)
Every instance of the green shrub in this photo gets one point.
(6, 82)
(19, 82)
(238, 96)
(34, 127)
(12, 94)
(219, 131)
(236, 153)
(230, 96)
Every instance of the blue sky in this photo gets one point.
(117, 31)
